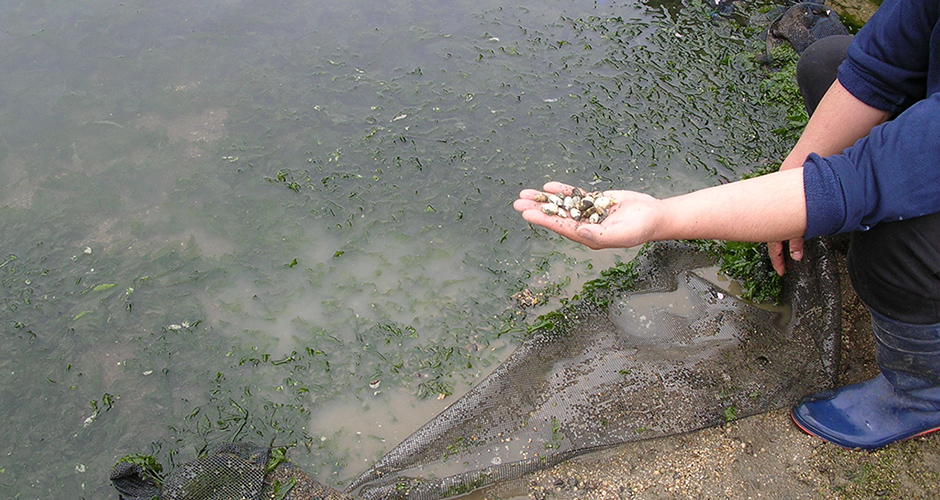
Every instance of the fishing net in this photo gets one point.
(233, 471)
(673, 354)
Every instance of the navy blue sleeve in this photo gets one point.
(888, 61)
(892, 174)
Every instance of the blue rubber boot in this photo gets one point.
(900, 403)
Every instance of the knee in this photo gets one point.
(894, 269)
(818, 67)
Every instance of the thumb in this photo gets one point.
(586, 232)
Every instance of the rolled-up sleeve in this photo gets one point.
(888, 62)
(892, 174)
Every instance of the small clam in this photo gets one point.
(580, 205)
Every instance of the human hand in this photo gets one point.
(632, 220)
(778, 250)
(779, 258)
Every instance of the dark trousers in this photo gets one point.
(895, 266)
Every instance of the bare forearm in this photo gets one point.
(767, 208)
(839, 121)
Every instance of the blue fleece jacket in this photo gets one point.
(893, 64)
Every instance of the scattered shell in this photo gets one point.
(525, 298)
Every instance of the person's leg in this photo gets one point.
(817, 67)
(895, 269)
(900, 403)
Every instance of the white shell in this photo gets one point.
(595, 218)
(575, 213)
(603, 202)
(550, 209)
(555, 200)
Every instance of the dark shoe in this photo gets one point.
(867, 415)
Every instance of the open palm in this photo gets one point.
(631, 221)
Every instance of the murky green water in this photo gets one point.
(234, 220)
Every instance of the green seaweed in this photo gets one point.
(149, 467)
(780, 88)
(749, 264)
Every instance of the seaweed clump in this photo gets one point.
(749, 264)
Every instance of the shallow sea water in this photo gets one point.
(232, 221)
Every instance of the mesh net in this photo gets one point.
(233, 471)
(626, 370)
(673, 354)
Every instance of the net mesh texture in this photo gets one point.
(673, 354)
(233, 471)
(630, 370)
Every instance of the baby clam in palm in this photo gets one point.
(580, 205)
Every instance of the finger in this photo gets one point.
(590, 235)
(553, 222)
(556, 187)
(523, 204)
(529, 194)
(616, 234)
(565, 227)
(775, 250)
(796, 249)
